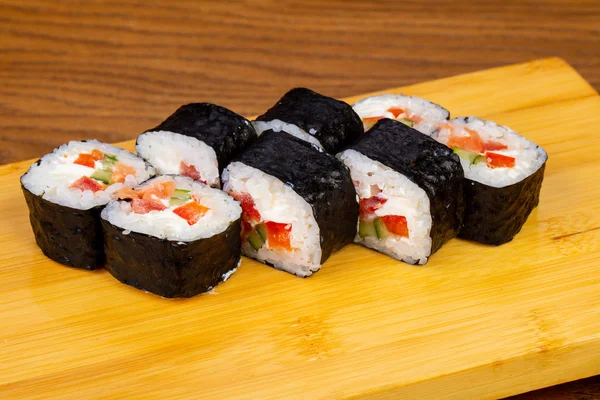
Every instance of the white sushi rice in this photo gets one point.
(528, 156)
(377, 106)
(278, 202)
(56, 171)
(166, 224)
(404, 198)
(277, 126)
(166, 150)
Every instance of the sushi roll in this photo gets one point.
(503, 172)
(410, 189)
(196, 141)
(65, 192)
(299, 205)
(323, 121)
(413, 111)
(172, 236)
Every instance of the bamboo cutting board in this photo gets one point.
(476, 322)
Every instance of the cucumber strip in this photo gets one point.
(176, 201)
(380, 229)
(102, 175)
(366, 229)
(182, 193)
(110, 160)
(407, 121)
(472, 157)
(262, 231)
(478, 159)
(255, 240)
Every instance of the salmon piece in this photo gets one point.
(278, 235)
(159, 189)
(140, 206)
(396, 224)
(468, 140)
(371, 120)
(86, 183)
(190, 171)
(120, 172)
(126, 192)
(191, 212)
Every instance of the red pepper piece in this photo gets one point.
(368, 206)
(396, 224)
(278, 235)
(249, 211)
(495, 160)
(191, 212)
(86, 183)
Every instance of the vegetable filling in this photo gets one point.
(380, 227)
(164, 195)
(258, 233)
(399, 114)
(468, 145)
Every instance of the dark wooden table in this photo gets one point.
(111, 69)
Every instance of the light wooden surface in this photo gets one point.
(476, 322)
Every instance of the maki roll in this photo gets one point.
(197, 141)
(172, 236)
(299, 205)
(323, 121)
(65, 191)
(413, 111)
(410, 189)
(503, 172)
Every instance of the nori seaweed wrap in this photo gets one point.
(185, 243)
(66, 235)
(410, 189)
(65, 192)
(198, 140)
(299, 203)
(329, 123)
(503, 177)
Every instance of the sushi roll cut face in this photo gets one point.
(83, 175)
(196, 141)
(65, 191)
(299, 205)
(394, 211)
(489, 153)
(410, 191)
(323, 121)
(413, 111)
(503, 177)
(279, 227)
(172, 236)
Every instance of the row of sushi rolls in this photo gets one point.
(311, 175)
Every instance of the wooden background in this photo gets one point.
(111, 69)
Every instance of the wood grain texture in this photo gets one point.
(111, 69)
(477, 322)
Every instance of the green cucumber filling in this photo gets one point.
(380, 229)
(375, 228)
(255, 239)
(262, 231)
(102, 175)
(407, 121)
(366, 229)
(473, 158)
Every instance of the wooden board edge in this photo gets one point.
(528, 372)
